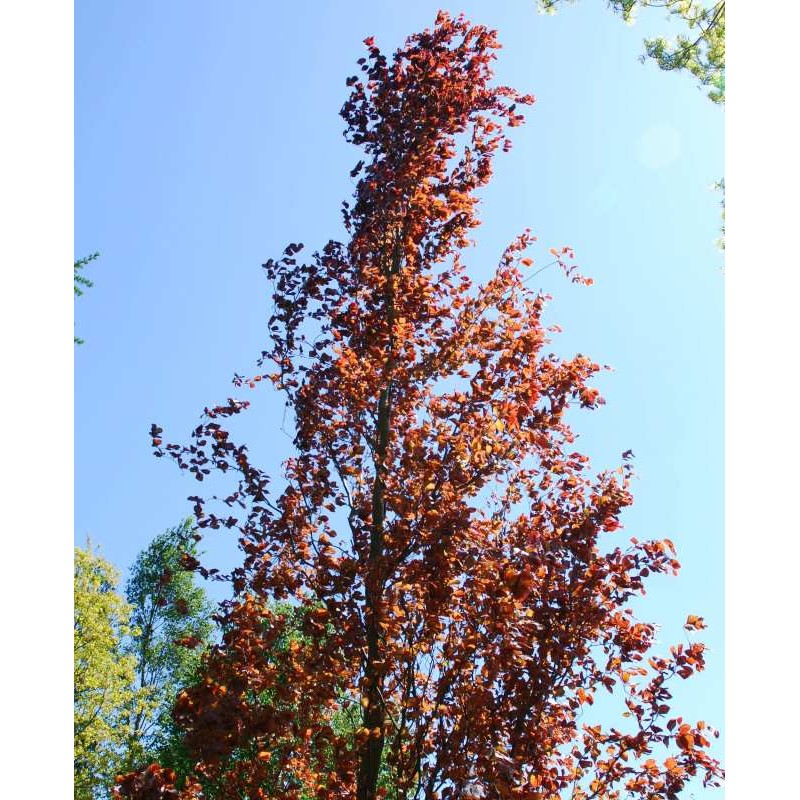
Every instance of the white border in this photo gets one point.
(36, 153)
(762, 378)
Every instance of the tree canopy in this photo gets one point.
(104, 677)
(168, 607)
(451, 560)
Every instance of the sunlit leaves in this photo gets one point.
(458, 594)
(105, 693)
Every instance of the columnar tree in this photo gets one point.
(446, 547)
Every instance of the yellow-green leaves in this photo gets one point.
(104, 677)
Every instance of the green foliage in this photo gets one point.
(700, 51)
(699, 48)
(167, 607)
(172, 750)
(81, 281)
(105, 690)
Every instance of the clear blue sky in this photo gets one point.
(207, 137)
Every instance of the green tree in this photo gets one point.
(169, 608)
(171, 616)
(699, 48)
(104, 678)
(175, 746)
(81, 281)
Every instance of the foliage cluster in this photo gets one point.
(129, 662)
(104, 689)
(699, 48)
(442, 544)
(168, 608)
(81, 282)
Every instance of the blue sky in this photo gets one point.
(207, 137)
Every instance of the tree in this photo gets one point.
(167, 607)
(104, 677)
(699, 49)
(81, 281)
(448, 553)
